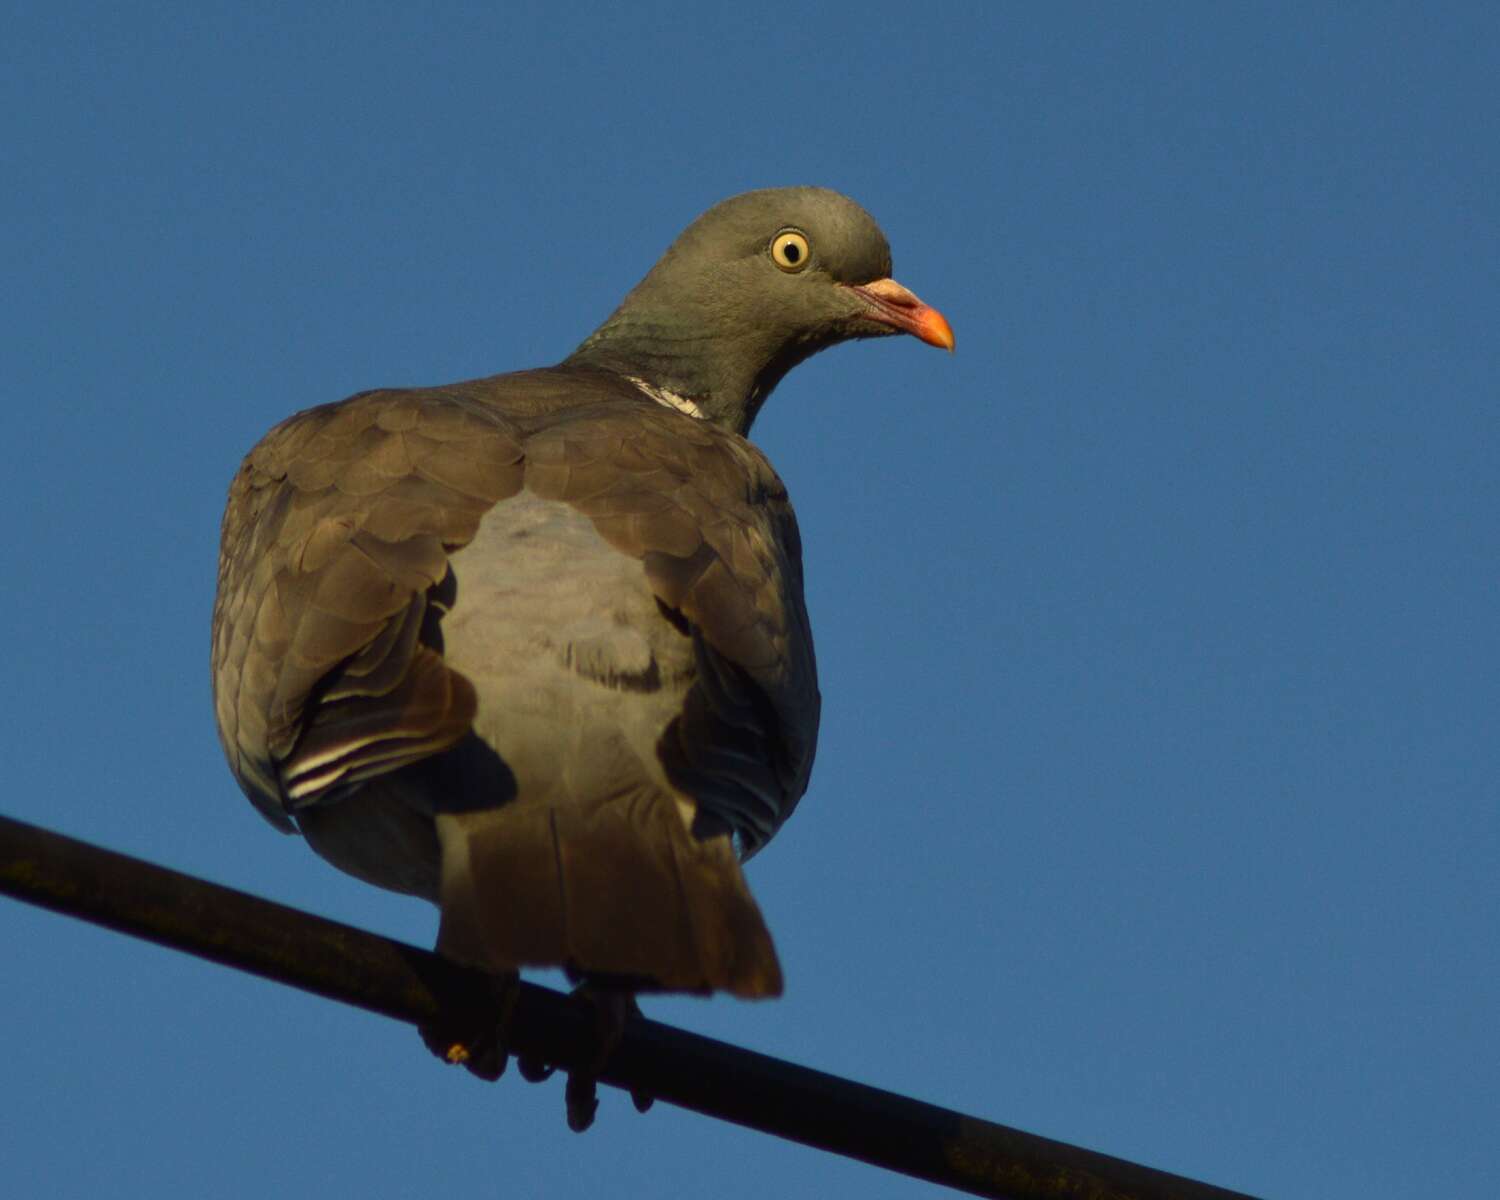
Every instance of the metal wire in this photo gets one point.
(400, 981)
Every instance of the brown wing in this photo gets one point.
(326, 665)
(709, 519)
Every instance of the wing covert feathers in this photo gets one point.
(335, 539)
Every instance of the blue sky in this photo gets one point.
(1156, 805)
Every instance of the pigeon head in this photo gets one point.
(750, 289)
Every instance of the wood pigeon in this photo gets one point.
(533, 646)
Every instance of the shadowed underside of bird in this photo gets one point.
(534, 646)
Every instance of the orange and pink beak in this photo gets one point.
(891, 304)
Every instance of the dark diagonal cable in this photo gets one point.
(396, 980)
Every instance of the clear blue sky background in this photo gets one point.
(1156, 808)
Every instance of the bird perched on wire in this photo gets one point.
(533, 647)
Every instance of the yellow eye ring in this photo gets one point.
(789, 250)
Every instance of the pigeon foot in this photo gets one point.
(477, 1040)
(610, 1010)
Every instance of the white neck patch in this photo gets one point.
(671, 399)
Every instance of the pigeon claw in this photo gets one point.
(582, 1097)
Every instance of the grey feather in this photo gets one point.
(534, 646)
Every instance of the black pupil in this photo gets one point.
(791, 252)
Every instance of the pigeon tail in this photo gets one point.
(617, 889)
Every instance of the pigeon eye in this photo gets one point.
(789, 250)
